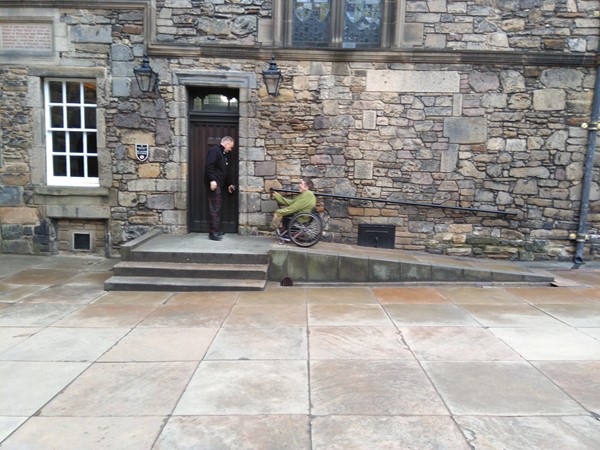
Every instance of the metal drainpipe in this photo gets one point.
(588, 172)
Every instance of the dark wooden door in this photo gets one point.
(204, 133)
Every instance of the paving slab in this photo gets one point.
(551, 343)
(579, 379)
(372, 387)
(379, 432)
(247, 343)
(547, 433)
(498, 388)
(161, 344)
(352, 342)
(429, 315)
(65, 344)
(28, 385)
(457, 344)
(98, 433)
(125, 389)
(246, 387)
(227, 432)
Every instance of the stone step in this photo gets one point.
(200, 257)
(191, 270)
(178, 284)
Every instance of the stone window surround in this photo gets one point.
(62, 196)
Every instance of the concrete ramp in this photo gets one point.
(340, 263)
(192, 262)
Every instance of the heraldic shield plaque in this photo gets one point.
(141, 152)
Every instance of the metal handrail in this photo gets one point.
(406, 203)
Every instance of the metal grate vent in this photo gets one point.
(82, 242)
(380, 236)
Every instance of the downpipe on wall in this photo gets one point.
(592, 127)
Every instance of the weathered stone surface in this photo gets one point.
(413, 81)
(549, 100)
(464, 130)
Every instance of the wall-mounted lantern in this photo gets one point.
(272, 77)
(147, 79)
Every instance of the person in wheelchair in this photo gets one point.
(305, 202)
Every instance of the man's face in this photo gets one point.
(303, 186)
(228, 146)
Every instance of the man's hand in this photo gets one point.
(213, 185)
(276, 221)
(231, 189)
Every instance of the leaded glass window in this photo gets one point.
(311, 23)
(214, 102)
(337, 23)
(362, 23)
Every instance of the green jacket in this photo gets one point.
(305, 202)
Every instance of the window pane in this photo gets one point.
(362, 23)
(59, 141)
(76, 141)
(74, 117)
(311, 23)
(73, 93)
(216, 102)
(56, 117)
(60, 166)
(77, 169)
(89, 93)
(90, 117)
(92, 166)
(55, 88)
(92, 146)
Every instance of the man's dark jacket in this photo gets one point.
(216, 166)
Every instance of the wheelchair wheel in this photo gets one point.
(305, 229)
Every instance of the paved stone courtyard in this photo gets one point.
(346, 367)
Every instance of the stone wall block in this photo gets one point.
(549, 100)
(484, 82)
(465, 130)
(562, 78)
(512, 81)
(265, 168)
(363, 170)
(413, 81)
(11, 195)
(95, 34)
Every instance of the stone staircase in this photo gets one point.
(146, 268)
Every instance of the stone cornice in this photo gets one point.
(412, 56)
(93, 4)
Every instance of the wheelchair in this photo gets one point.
(303, 229)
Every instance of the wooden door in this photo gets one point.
(204, 133)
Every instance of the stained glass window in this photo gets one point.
(362, 23)
(311, 23)
(334, 23)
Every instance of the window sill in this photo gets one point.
(68, 191)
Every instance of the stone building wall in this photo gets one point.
(475, 132)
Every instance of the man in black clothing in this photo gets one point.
(218, 177)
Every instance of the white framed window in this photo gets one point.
(71, 132)
(351, 24)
